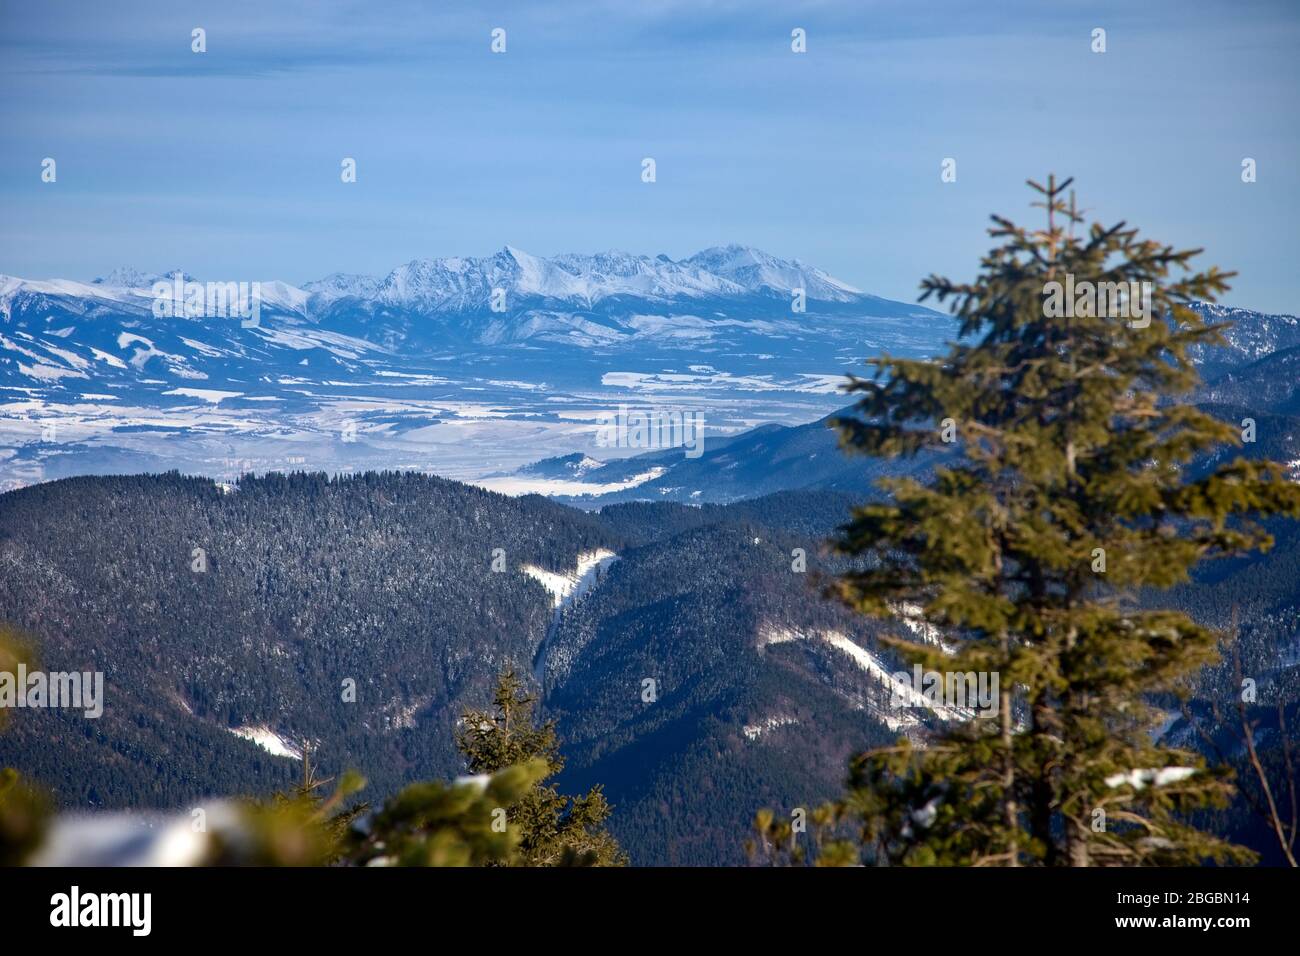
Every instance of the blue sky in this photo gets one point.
(226, 163)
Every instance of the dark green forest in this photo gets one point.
(387, 579)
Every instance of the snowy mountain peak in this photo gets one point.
(338, 285)
(757, 270)
(731, 256)
(126, 277)
(581, 280)
(466, 284)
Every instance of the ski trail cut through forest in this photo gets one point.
(566, 590)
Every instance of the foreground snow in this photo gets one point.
(134, 839)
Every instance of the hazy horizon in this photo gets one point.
(227, 163)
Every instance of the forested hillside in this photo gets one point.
(305, 583)
(744, 715)
(385, 580)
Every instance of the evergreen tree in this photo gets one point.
(302, 828)
(24, 810)
(555, 830)
(308, 826)
(457, 824)
(1068, 492)
(24, 818)
(429, 823)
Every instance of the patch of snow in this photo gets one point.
(49, 373)
(70, 358)
(1138, 779)
(902, 690)
(128, 338)
(571, 585)
(566, 589)
(268, 740)
(478, 781)
(914, 620)
(136, 839)
(108, 358)
(514, 486)
(754, 731)
(213, 395)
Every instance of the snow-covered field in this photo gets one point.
(465, 367)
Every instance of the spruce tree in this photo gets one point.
(439, 824)
(24, 809)
(555, 830)
(1068, 488)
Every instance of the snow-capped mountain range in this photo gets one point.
(464, 366)
(466, 284)
(460, 365)
(583, 281)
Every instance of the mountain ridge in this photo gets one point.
(452, 283)
(423, 368)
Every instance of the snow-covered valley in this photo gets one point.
(466, 367)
